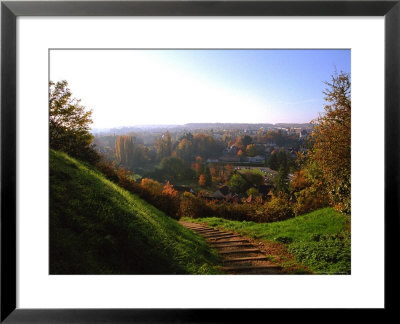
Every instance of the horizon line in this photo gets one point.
(197, 123)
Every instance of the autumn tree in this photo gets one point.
(207, 176)
(331, 139)
(169, 190)
(206, 146)
(252, 150)
(185, 150)
(69, 124)
(163, 146)
(124, 149)
(308, 189)
(202, 180)
(129, 153)
(152, 185)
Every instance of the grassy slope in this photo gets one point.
(320, 240)
(97, 227)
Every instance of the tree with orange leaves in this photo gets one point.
(169, 190)
(198, 166)
(202, 180)
(331, 139)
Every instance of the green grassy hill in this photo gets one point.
(319, 240)
(97, 227)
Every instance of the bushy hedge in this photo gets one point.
(279, 209)
(275, 210)
(169, 201)
(194, 207)
(164, 198)
(310, 199)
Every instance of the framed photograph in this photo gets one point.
(160, 159)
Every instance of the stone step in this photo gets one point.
(240, 251)
(246, 259)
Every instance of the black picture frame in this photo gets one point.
(10, 10)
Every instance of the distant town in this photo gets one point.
(206, 155)
(287, 136)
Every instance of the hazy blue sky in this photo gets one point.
(131, 87)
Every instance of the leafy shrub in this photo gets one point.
(252, 192)
(254, 212)
(284, 239)
(234, 211)
(108, 170)
(279, 209)
(341, 194)
(194, 207)
(164, 198)
(169, 201)
(316, 237)
(309, 199)
(151, 185)
(238, 183)
(331, 253)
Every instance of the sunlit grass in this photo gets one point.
(96, 227)
(320, 240)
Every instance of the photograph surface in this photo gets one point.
(200, 161)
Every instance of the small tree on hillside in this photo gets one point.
(69, 124)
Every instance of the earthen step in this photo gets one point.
(193, 224)
(218, 235)
(197, 227)
(240, 251)
(208, 232)
(245, 259)
(230, 245)
(234, 241)
(251, 267)
(216, 238)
